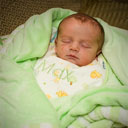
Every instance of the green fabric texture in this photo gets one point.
(115, 50)
(32, 40)
(1, 43)
(23, 104)
(92, 101)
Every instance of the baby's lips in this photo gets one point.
(72, 56)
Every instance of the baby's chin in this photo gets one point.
(73, 62)
(78, 63)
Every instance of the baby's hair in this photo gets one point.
(86, 18)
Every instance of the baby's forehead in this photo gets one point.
(85, 21)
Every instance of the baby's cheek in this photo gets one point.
(64, 48)
(86, 57)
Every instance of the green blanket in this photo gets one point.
(24, 105)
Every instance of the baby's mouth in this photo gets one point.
(70, 56)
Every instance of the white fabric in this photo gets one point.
(58, 77)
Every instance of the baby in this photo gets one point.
(73, 62)
(80, 39)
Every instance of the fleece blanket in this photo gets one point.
(24, 105)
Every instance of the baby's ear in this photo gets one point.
(55, 41)
(55, 44)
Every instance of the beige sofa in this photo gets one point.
(15, 12)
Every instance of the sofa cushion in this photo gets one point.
(114, 12)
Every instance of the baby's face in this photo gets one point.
(77, 42)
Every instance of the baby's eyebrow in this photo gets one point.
(66, 37)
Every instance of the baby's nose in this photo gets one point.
(74, 46)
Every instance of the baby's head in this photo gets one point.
(80, 39)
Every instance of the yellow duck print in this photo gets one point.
(48, 96)
(61, 93)
(95, 74)
(56, 73)
(56, 80)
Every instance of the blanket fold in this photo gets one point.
(94, 105)
(24, 105)
(32, 39)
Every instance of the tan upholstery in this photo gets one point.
(15, 12)
(114, 12)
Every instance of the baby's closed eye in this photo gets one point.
(66, 40)
(85, 45)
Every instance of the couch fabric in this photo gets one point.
(15, 12)
(114, 12)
